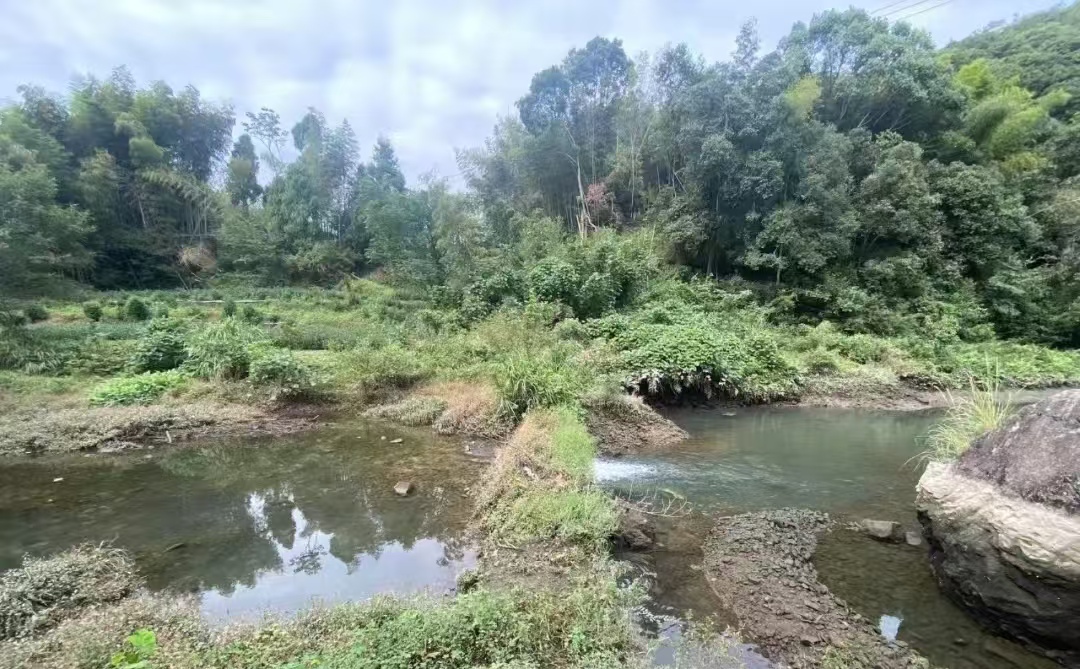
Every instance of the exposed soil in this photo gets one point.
(759, 565)
(109, 429)
(629, 425)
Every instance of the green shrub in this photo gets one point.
(596, 296)
(139, 649)
(554, 280)
(540, 379)
(136, 310)
(221, 350)
(141, 389)
(228, 310)
(822, 361)
(571, 329)
(705, 353)
(281, 370)
(92, 310)
(162, 348)
(100, 356)
(35, 313)
(251, 315)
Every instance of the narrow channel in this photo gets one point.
(852, 464)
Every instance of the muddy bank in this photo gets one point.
(107, 429)
(759, 566)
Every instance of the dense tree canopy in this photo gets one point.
(854, 173)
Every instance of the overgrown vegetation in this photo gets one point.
(760, 229)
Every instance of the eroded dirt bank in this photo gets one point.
(119, 428)
(759, 566)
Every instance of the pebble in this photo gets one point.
(396, 441)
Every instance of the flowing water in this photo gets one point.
(852, 464)
(258, 525)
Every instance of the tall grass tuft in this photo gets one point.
(968, 417)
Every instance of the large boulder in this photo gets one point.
(1003, 528)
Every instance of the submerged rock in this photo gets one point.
(1003, 531)
(635, 532)
(913, 538)
(882, 530)
(404, 488)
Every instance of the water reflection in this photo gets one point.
(258, 524)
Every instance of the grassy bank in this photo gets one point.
(402, 356)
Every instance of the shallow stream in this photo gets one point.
(852, 464)
(259, 524)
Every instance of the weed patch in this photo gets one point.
(142, 389)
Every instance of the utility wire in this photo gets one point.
(900, 10)
(881, 9)
(923, 11)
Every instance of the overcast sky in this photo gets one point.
(431, 74)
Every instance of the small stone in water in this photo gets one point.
(913, 538)
(403, 488)
(396, 441)
(58, 479)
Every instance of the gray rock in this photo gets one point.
(404, 488)
(913, 538)
(1003, 534)
(882, 530)
(1035, 455)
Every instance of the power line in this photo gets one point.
(923, 11)
(910, 5)
(881, 9)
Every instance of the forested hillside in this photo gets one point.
(856, 173)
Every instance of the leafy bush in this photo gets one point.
(100, 356)
(136, 310)
(571, 329)
(162, 348)
(228, 310)
(281, 370)
(141, 389)
(92, 310)
(139, 649)
(542, 379)
(221, 350)
(705, 353)
(554, 280)
(596, 296)
(251, 315)
(35, 313)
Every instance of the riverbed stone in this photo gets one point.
(1003, 529)
(882, 530)
(913, 538)
(404, 488)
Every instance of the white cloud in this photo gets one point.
(431, 75)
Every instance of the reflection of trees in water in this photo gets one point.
(275, 498)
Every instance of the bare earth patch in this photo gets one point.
(117, 428)
(626, 424)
